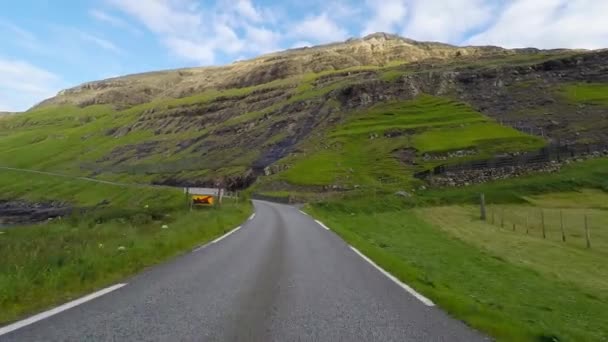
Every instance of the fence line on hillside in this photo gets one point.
(555, 224)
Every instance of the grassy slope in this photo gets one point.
(358, 153)
(66, 138)
(85, 194)
(589, 93)
(512, 285)
(70, 139)
(46, 264)
(61, 138)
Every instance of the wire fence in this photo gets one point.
(581, 227)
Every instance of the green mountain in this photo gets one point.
(365, 112)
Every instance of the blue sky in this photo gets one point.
(49, 45)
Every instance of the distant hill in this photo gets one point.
(373, 110)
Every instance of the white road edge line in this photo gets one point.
(304, 213)
(252, 216)
(322, 225)
(200, 248)
(226, 235)
(410, 290)
(43, 315)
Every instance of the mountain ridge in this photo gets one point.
(378, 49)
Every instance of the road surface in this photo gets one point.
(281, 277)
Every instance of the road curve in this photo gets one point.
(281, 277)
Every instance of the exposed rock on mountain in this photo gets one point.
(379, 49)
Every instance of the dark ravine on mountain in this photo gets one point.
(258, 119)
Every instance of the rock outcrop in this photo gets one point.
(377, 49)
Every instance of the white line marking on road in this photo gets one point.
(199, 248)
(252, 216)
(18, 325)
(322, 225)
(410, 290)
(304, 213)
(226, 235)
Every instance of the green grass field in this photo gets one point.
(83, 193)
(514, 285)
(589, 93)
(46, 264)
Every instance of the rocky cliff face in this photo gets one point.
(378, 49)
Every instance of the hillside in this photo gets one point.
(312, 119)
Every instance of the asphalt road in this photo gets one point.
(281, 277)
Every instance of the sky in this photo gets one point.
(49, 45)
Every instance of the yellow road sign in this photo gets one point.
(202, 200)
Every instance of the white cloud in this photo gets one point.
(22, 84)
(163, 16)
(16, 30)
(387, 16)
(262, 40)
(190, 49)
(549, 24)
(100, 42)
(447, 21)
(196, 34)
(113, 21)
(106, 18)
(320, 28)
(246, 9)
(21, 37)
(177, 23)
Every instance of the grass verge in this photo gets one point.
(513, 285)
(480, 285)
(43, 265)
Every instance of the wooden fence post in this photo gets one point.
(502, 218)
(561, 219)
(483, 206)
(587, 237)
(542, 222)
